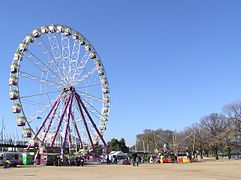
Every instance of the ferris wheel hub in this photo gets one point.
(66, 89)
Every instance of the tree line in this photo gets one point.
(215, 134)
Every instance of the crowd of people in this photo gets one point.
(71, 161)
(134, 159)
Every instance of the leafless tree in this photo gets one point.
(213, 124)
(215, 133)
(233, 114)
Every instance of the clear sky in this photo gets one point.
(168, 62)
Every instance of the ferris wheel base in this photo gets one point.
(67, 96)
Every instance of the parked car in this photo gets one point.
(15, 158)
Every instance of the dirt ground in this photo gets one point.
(207, 170)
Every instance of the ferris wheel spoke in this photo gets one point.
(90, 81)
(38, 112)
(46, 51)
(92, 130)
(37, 64)
(75, 52)
(34, 103)
(91, 96)
(91, 108)
(40, 94)
(66, 62)
(39, 79)
(81, 66)
(83, 70)
(85, 76)
(45, 66)
(56, 52)
(56, 55)
(94, 112)
(74, 57)
(77, 110)
(88, 86)
(35, 61)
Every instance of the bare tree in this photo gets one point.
(213, 124)
(150, 140)
(233, 114)
(214, 133)
(202, 139)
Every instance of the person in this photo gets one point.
(59, 161)
(175, 158)
(82, 161)
(77, 161)
(114, 159)
(72, 163)
(142, 160)
(68, 161)
(134, 156)
(56, 161)
(198, 158)
(161, 158)
(37, 160)
(190, 156)
(137, 161)
(107, 159)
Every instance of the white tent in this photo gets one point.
(119, 154)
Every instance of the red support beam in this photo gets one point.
(91, 120)
(77, 131)
(60, 122)
(83, 117)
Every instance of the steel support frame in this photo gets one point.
(83, 117)
(68, 118)
(67, 112)
(91, 120)
(77, 131)
(60, 121)
(50, 123)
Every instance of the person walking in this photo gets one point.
(107, 159)
(137, 160)
(134, 157)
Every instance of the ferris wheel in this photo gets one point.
(59, 89)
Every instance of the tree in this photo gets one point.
(228, 136)
(145, 141)
(150, 140)
(118, 145)
(215, 133)
(186, 139)
(233, 114)
(123, 146)
(213, 124)
(202, 139)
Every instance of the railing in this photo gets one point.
(12, 142)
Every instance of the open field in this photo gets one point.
(205, 170)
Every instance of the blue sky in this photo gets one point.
(168, 62)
